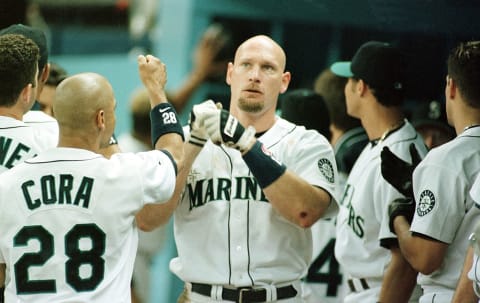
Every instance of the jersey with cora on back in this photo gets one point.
(68, 230)
(20, 141)
(226, 231)
(445, 209)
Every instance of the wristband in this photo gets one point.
(200, 142)
(164, 120)
(264, 167)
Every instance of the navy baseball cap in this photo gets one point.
(379, 64)
(35, 34)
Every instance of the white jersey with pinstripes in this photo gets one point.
(226, 231)
(20, 141)
(445, 210)
(362, 222)
(67, 222)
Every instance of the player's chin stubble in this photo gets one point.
(250, 106)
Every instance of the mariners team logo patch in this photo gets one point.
(426, 203)
(326, 169)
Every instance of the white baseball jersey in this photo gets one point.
(474, 272)
(227, 232)
(149, 243)
(20, 141)
(445, 211)
(67, 222)
(362, 222)
(44, 122)
(325, 281)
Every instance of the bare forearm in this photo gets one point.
(464, 292)
(399, 279)
(424, 254)
(2, 275)
(297, 200)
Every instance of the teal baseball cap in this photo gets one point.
(379, 64)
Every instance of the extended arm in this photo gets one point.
(2, 281)
(154, 215)
(423, 253)
(399, 279)
(464, 292)
(293, 197)
(167, 133)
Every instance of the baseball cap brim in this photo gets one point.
(342, 69)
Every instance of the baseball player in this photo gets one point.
(242, 224)
(18, 140)
(68, 232)
(36, 118)
(374, 94)
(435, 242)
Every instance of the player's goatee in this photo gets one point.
(250, 106)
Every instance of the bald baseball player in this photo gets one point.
(257, 184)
(68, 231)
(374, 94)
(444, 214)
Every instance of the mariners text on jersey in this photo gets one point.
(61, 189)
(206, 190)
(15, 152)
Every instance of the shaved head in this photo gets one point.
(265, 43)
(84, 106)
(79, 97)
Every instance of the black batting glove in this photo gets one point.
(398, 172)
(401, 207)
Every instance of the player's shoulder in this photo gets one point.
(454, 153)
(36, 116)
(289, 130)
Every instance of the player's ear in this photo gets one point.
(100, 119)
(45, 73)
(361, 87)
(450, 88)
(228, 77)
(286, 76)
(26, 93)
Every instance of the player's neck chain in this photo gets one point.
(389, 131)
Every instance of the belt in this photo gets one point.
(245, 294)
(355, 286)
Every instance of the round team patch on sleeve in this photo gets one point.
(426, 203)
(326, 169)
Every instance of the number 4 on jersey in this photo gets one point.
(332, 278)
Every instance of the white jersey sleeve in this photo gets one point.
(444, 208)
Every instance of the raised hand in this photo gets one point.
(398, 172)
(223, 128)
(153, 74)
(198, 134)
